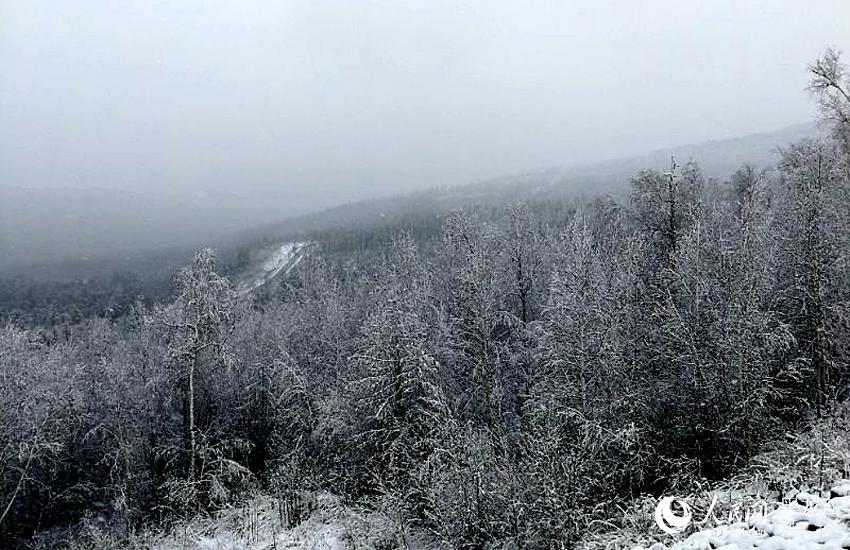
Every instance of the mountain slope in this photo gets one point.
(717, 159)
(41, 225)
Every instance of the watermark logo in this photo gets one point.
(668, 520)
(672, 522)
(674, 515)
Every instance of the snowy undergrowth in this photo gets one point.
(794, 495)
(259, 525)
(808, 522)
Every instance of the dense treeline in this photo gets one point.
(30, 302)
(511, 382)
(67, 292)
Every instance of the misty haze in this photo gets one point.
(424, 274)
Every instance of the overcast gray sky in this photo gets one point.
(310, 103)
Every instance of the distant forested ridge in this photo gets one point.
(110, 283)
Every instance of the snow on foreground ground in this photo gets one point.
(806, 522)
(331, 526)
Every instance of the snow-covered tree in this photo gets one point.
(397, 374)
(198, 326)
(814, 269)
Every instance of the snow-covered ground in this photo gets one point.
(806, 522)
(257, 526)
(282, 260)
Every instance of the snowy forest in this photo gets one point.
(515, 382)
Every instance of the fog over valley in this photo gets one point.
(149, 124)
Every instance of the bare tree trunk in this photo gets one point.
(20, 484)
(190, 390)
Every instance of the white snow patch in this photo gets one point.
(332, 525)
(807, 522)
(283, 259)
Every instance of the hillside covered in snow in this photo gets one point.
(279, 260)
